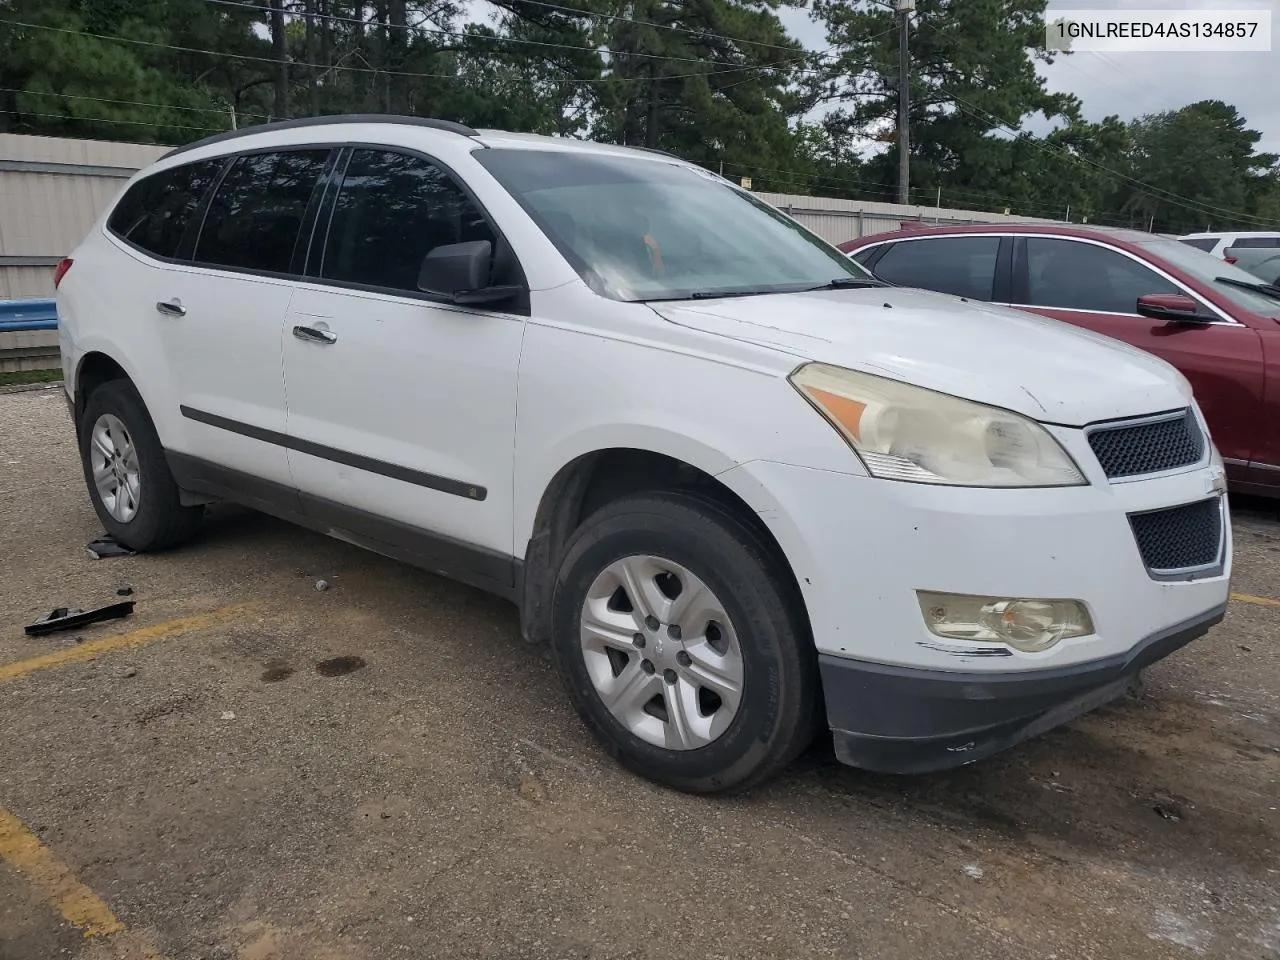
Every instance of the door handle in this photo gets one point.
(315, 335)
(171, 308)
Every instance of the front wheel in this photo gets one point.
(681, 641)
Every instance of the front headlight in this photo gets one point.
(909, 433)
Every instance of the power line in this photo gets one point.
(128, 123)
(345, 67)
(463, 35)
(594, 14)
(130, 103)
(1168, 196)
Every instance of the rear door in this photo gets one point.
(220, 318)
(1092, 285)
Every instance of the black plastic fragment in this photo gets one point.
(105, 546)
(62, 618)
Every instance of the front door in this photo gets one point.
(402, 408)
(1095, 286)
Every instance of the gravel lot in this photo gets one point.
(384, 769)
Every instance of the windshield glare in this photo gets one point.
(648, 229)
(1205, 267)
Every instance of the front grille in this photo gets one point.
(1180, 538)
(1129, 450)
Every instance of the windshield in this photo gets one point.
(1205, 267)
(646, 229)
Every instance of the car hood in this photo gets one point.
(1041, 368)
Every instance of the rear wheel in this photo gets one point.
(129, 482)
(679, 638)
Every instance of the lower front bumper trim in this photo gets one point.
(906, 720)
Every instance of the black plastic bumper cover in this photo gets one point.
(905, 720)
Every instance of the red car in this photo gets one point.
(1219, 325)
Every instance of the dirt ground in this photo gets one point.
(384, 769)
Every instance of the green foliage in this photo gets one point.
(718, 82)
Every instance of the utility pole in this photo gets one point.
(904, 8)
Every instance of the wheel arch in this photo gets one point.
(597, 477)
(94, 368)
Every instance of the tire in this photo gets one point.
(158, 519)
(656, 541)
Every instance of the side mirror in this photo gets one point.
(460, 272)
(1171, 307)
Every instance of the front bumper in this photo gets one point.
(902, 720)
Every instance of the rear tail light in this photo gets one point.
(1229, 259)
(60, 270)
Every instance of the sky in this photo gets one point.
(1130, 85)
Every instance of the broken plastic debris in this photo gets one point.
(64, 618)
(106, 546)
(227, 715)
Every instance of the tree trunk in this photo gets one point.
(313, 93)
(384, 55)
(281, 106)
(651, 113)
(398, 15)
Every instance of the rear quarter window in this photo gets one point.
(155, 212)
(1201, 243)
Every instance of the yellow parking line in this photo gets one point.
(77, 903)
(1260, 601)
(122, 641)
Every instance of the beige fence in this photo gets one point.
(52, 190)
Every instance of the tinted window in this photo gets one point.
(1084, 276)
(391, 212)
(964, 266)
(254, 218)
(155, 212)
(648, 228)
(1256, 242)
(865, 254)
(1202, 243)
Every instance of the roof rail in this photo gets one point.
(448, 125)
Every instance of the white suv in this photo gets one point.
(1219, 243)
(740, 486)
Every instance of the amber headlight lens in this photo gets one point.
(902, 432)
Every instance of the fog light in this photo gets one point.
(1024, 624)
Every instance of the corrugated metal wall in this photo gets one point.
(52, 190)
(841, 220)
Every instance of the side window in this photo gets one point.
(1257, 242)
(964, 266)
(391, 211)
(254, 217)
(1084, 276)
(155, 212)
(865, 254)
(1202, 243)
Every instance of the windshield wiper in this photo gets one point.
(1266, 289)
(724, 294)
(850, 283)
(840, 283)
